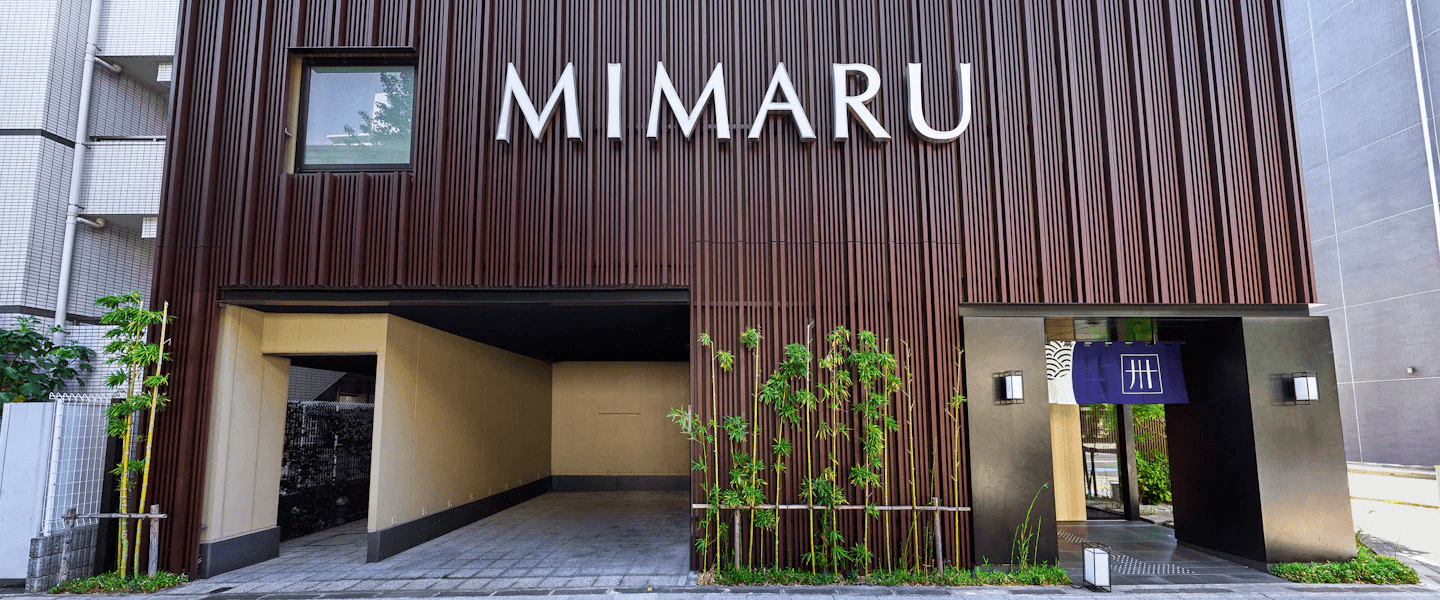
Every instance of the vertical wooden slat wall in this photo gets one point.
(1136, 151)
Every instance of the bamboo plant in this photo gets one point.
(859, 381)
(133, 355)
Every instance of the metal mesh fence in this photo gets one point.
(77, 459)
(324, 478)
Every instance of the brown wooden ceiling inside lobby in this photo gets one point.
(1120, 152)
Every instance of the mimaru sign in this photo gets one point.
(780, 99)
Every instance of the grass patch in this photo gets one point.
(111, 583)
(950, 576)
(1368, 567)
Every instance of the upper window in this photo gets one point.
(356, 114)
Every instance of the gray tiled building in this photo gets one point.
(1363, 74)
(42, 51)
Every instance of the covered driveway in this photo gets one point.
(558, 540)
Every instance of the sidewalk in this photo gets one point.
(1235, 592)
(1395, 508)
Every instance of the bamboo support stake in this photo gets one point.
(65, 547)
(155, 540)
(736, 537)
(939, 545)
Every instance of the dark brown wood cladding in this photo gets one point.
(1120, 152)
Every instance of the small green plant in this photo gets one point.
(1025, 549)
(1041, 574)
(32, 366)
(1153, 470)
(114, 583)
(1366, 567)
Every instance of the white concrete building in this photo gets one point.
(42, 55)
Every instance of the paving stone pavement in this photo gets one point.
(558, 540)
(626, 545)
(1142, 553)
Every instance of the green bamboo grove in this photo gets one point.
(841, 445)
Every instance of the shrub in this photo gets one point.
(113, 583)
(1035, 574)
(1154, 473)
(1366, 567)
(32, 367)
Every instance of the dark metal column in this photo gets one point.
(1125, 460)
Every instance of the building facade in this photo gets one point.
(44, 52)
(1364, 109)
(527, 197)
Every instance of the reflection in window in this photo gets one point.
(357, 117)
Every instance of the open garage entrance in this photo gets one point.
(549, 410)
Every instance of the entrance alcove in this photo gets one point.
(478, 407)
(1255, 480)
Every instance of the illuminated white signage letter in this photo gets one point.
(714, 89)
(612, 104)
(846, 105)
(515, 94)
(916, 100)
(781, 82)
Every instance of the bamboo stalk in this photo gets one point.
(955, 447)
(124, 529)
(715, 448)
(914, 493)
(754, 449)
(150, 429)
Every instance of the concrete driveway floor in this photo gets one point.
(559, 540)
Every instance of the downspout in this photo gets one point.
(77, 168)
(1410, 17)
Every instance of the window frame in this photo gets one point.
(377, 60)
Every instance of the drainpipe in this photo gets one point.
(77, 168)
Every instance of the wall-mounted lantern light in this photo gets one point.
(1303, 388)
(1097, 567)
(1009, 387)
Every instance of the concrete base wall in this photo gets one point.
(45, 558)
(26, 432)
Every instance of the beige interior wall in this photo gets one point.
(455, 421)
(247, 430)
(1069, 464)
(610, 418)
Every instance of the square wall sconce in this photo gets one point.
(1303, 388)
(1009, 387)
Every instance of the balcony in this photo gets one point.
(123, 180)
(136, 28)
